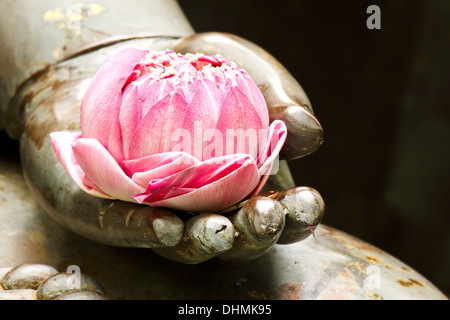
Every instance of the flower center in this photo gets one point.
(177, 68)
(203, 61)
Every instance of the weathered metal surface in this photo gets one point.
(82, 295)
(336, 266)
(18, 294)
(27, 276)
(258, 224)
(64, 283)
(32, 281)
(205, 236)
(307, 210)
(53, 30)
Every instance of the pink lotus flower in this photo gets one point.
(188, 132)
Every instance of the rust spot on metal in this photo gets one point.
(410, 283)
(290, 291)
(406, 269)
(369, 295)
(416, 283)
(263, 86)
(25, 101)
(72, 17)
(356, 266)
(73, 126)
(255, 294)
(372, 259)
(43, 119)
(273, 194)
(405, 283)
(38, 132)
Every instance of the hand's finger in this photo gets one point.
(305, 209)
(258, 224)
(63, 283)
(205, 236)
(43, 282)
(26, 276)
(132, 225)
(82, 295)
(285, 98)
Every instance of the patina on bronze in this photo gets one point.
(44, 282)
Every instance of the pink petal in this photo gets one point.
(155, 133)
(152, 91)
(62, 144)
(137, 100)
(103, 170)
(201, 117)
(237, 118)
(175, 192)
(248, 86)
(195, 176)
(210, 186)
(266, 160)
(187, 75)
(157, 166)
(130, 116)
(101, 103)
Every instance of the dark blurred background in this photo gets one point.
(382, 98)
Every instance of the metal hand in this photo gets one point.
(49, 101)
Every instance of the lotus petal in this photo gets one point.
(210, 186)
(153, 133)
(268, 157)
(103, 170)
(239, 124)
(157, 166)
(101, 103)
(62, 144)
